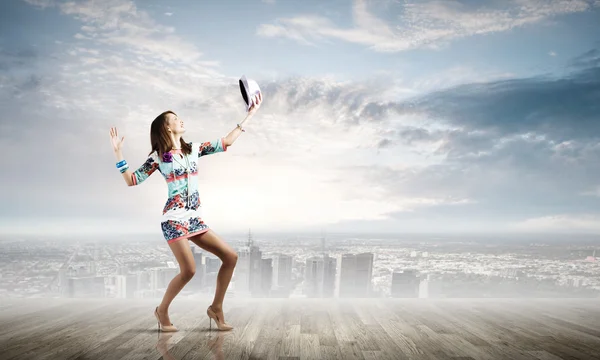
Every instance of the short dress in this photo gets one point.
(182, 213)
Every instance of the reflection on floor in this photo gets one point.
(303, 329)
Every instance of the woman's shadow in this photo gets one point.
(214, 342)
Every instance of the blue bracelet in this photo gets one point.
(121, 163)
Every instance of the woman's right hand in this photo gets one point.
(114, 139)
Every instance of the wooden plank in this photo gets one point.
(142, 318)
(325, 326)
(331, 352)
(544, 355)
(64, 333)
(310, 348)
(185, 317)
(413, 329)
(269, 340)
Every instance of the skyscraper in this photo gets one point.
(356, 271)
(329, 272)
(266, 277)
(282, 271)
(424, 287)
(364, 274)
(319, 276)
(120, 286)
(405, 284)
(198, 280)
(247, 272)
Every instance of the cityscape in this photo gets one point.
(325, 266)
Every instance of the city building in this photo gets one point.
(405, 284)
(355, 275)
(319, 276)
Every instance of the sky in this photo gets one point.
(378, 115)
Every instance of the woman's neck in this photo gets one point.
(176, 141)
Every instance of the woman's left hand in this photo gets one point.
(257, 100)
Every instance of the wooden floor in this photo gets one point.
(303, 329)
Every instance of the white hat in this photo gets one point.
(249, 89)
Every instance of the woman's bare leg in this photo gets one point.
(211, 242)
(187, 268)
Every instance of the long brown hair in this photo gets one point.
(160, 139)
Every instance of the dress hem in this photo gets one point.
(188, 235)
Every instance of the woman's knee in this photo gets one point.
(230, 258)
(187, 274)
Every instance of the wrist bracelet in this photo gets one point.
(240, 126)
(121, 163)
(123, 169)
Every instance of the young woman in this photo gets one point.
(177, 160)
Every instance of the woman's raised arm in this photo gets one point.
(136, 177)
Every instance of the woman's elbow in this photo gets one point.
(130, 180)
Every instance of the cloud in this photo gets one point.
(429, 24)
(587, 223)
(588, 60)
(559, 108)
(492, 151)
(511, 151)
(123, 71)
(96, 80)
(42, 4)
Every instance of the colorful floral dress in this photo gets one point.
(182, 213)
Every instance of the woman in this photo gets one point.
(177, 160)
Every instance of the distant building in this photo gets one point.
(120, 287)
(160, 278)
(248, 273)
(266, 277)
(212, 265)
(282, 272)
(131, 285)
(319, 276)
(255, 262)
(405, 284)
(197, 281)
(86, 287)
(355, 275)
(424, 287)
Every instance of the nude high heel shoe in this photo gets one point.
(161, 327)
(213, 316)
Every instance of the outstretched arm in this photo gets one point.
(235, 133)
(142, 173)
(138, 176)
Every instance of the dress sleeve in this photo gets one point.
(144, 171)
(212, 147)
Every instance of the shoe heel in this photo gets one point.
(157, 319)
(212, 316)
(162, 328)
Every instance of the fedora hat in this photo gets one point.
(249, 88)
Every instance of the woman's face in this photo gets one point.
(175, 124)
